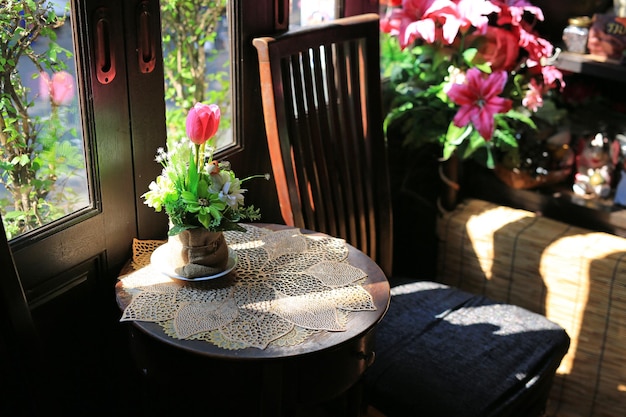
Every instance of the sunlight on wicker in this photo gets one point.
(574, 276)
(485, 224)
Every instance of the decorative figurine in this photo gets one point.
(594, 169)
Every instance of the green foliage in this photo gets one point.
(418, 108)
(421, 112)
(190, 29)
(36, 152)
(207, 195)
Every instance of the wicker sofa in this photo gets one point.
(576, 277)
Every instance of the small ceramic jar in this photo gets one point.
(575, 35)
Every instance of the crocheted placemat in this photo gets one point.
(285, 287)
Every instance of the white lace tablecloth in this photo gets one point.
(285, 287)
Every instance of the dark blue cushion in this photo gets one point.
(443, 352)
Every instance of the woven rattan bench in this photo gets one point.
(574, 276)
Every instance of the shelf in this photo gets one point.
(595, 65)
(558, 203)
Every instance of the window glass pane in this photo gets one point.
(311, 12)
(196, 57)
(42, 162)
(196, 61)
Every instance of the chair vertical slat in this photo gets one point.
(315, 161)
(364, 185)
(361, 70)
(350, 96)
(297, 124)
(319, 141)
(346, 135)
(341, 164)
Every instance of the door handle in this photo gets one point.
(281, 15)
(146, 44)
(104, 48)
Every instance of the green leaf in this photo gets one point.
(188, 196)
(490, 162)
(456, 135)
(475, 142)
(203, 188)
(448, 150)
(204, 220)
(21, 160)
(192, 174)
(469, 54)
(215, 213)
(505, 138)
(176, 229)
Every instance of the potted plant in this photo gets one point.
(201, 196)
(465, 75)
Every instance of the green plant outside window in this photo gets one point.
(196, 63)
(42, 163)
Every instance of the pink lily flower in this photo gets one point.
(474, 13)
(513, 11)
(479, 100)
(459, 16)
(418, 19)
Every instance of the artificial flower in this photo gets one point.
(497, 48)
(194, 189)
(534, 96)
(467, 74)
(480, 101)
(202, 122)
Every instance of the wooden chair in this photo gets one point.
(322, 106)
(439, 351)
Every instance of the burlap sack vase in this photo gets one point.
(198, 253)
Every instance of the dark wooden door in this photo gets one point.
(67, 270)
(74, 258)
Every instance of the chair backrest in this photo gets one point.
(321, 97)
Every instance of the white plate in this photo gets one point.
(159, 259)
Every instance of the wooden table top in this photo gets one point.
(360, 324)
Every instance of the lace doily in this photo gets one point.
(286, 286)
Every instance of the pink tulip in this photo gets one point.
(202, 122)
(60, 88)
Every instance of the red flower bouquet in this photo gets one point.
(466, 74)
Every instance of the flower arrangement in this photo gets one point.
(195, 190)
(466, 74)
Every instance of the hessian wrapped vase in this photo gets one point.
(198, 252)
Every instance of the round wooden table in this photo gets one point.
(277, 380)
